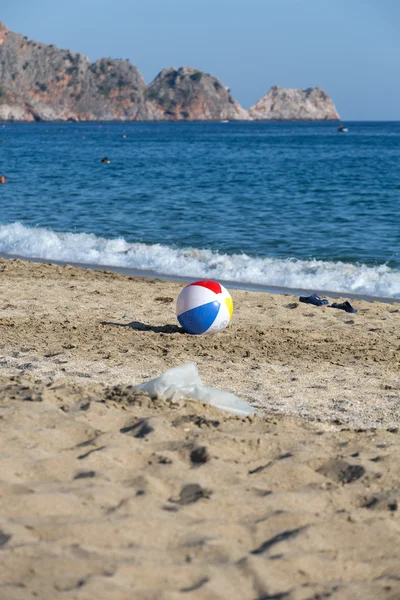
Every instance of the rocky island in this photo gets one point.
(40, 82)
(283, 104)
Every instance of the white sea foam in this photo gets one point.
(30, 242)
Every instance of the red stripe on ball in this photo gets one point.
(214, 286)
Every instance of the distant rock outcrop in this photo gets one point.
(40, 82)
(185, 93)
(283, 104)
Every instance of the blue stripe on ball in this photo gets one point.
(197, 320)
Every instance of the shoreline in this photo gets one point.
(179, 121)
(147, 274)
(206, 121)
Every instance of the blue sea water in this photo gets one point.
(270, 204)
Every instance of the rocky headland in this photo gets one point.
(40, 82)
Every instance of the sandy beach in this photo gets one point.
(107, 493)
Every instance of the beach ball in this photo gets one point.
(204, 307)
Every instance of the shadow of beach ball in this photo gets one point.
(204, 307)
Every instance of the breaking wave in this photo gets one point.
(29, 242)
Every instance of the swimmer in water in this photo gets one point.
(105, 160)
(3, 179)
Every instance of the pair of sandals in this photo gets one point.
(318, 301)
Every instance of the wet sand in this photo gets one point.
(106, 493)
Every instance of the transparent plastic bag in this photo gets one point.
(184, 382)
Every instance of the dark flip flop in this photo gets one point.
(314, 299)
(344, 306)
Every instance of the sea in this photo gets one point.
(269, 206)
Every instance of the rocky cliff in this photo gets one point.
(283, 104)
(40, 82)
(185, 93)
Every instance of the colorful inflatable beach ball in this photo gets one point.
(204, 307)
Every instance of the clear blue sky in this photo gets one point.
(351, 48)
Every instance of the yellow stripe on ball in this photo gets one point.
(229, 304)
